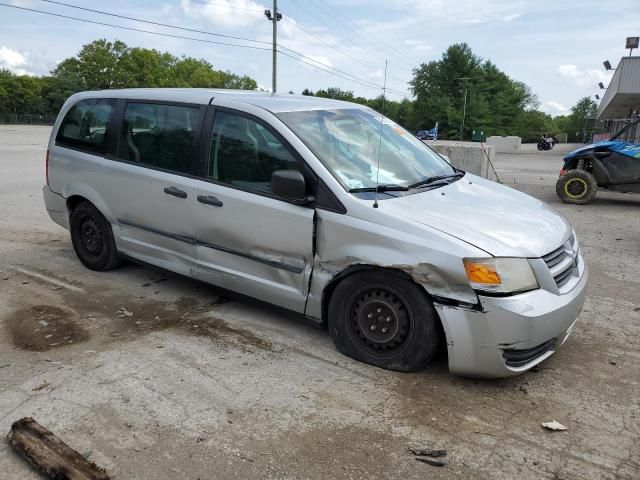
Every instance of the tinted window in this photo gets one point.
(245, 153)
(160, 136)
(86, 125)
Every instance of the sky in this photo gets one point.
(555, 46)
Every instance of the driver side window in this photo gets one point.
(244, 153)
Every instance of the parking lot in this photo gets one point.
(155, 376)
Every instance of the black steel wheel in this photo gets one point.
(92, 238)
(382, 318)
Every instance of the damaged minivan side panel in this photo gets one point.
(344, 242)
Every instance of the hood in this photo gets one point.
(490, 216)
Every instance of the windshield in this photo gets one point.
(347, 142)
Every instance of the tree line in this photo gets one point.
(495, 103)
(460, 81)
(102, 65)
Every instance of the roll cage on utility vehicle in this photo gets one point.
(613, 164)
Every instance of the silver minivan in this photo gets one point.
(322, 207)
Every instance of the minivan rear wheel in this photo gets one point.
(382, 318)
(92, 238)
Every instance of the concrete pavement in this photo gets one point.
(193, 386)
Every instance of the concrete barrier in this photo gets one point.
(505, 144)
(468, 156)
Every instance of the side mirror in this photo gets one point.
(290, 184)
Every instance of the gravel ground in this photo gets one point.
(193, 385)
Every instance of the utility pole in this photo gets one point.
(274, 18)
(464, 105)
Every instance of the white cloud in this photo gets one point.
(418, 46)
(511, 17)
(582, 78)
(554, 108)
(226, 13)
(464, 11)
(13, 60)
(166, 9)
(22, 3)
(323, 61)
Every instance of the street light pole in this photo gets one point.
(275, 49)
(274, 17)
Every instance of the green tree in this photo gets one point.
(336, 93)
(103, 65)
(493, 100)
(99, 65)
(20, 94)
(396, 111)
(580, 122)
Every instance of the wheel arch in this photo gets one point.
(74, 200)
(78, 192)
(330, 287)
(592, 164)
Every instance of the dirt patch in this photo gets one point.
(42, 327)
(188, 316)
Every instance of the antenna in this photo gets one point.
(384, 94)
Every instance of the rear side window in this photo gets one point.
(245, 154)
(160, 136)
(86, 125)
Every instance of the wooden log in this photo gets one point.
(50, 455)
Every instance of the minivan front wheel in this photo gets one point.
(92, 238)
(382, 318)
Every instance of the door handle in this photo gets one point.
(209, 200)
(176, 192)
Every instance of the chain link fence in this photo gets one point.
(13, 119)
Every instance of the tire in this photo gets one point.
(92, 238)
(577, 186)
(366, 303)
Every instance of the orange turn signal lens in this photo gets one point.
(482, 273)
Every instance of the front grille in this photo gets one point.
(514, 357)
(563, 261)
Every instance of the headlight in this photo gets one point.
(500, 275)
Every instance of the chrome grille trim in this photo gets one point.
(561, 262)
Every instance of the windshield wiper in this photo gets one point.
(381, 188)
(432, 180)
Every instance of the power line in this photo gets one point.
(375, 87)
(373, 39)
(132, 28)
(371, 84)
(154, 23)
(101, 12)
(340, 51)
(350, 25)
(336, 72)
(232, 7)
(354, 29)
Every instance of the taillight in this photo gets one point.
(46, 166)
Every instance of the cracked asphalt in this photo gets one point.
(154, 376)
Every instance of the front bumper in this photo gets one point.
(512, 334)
